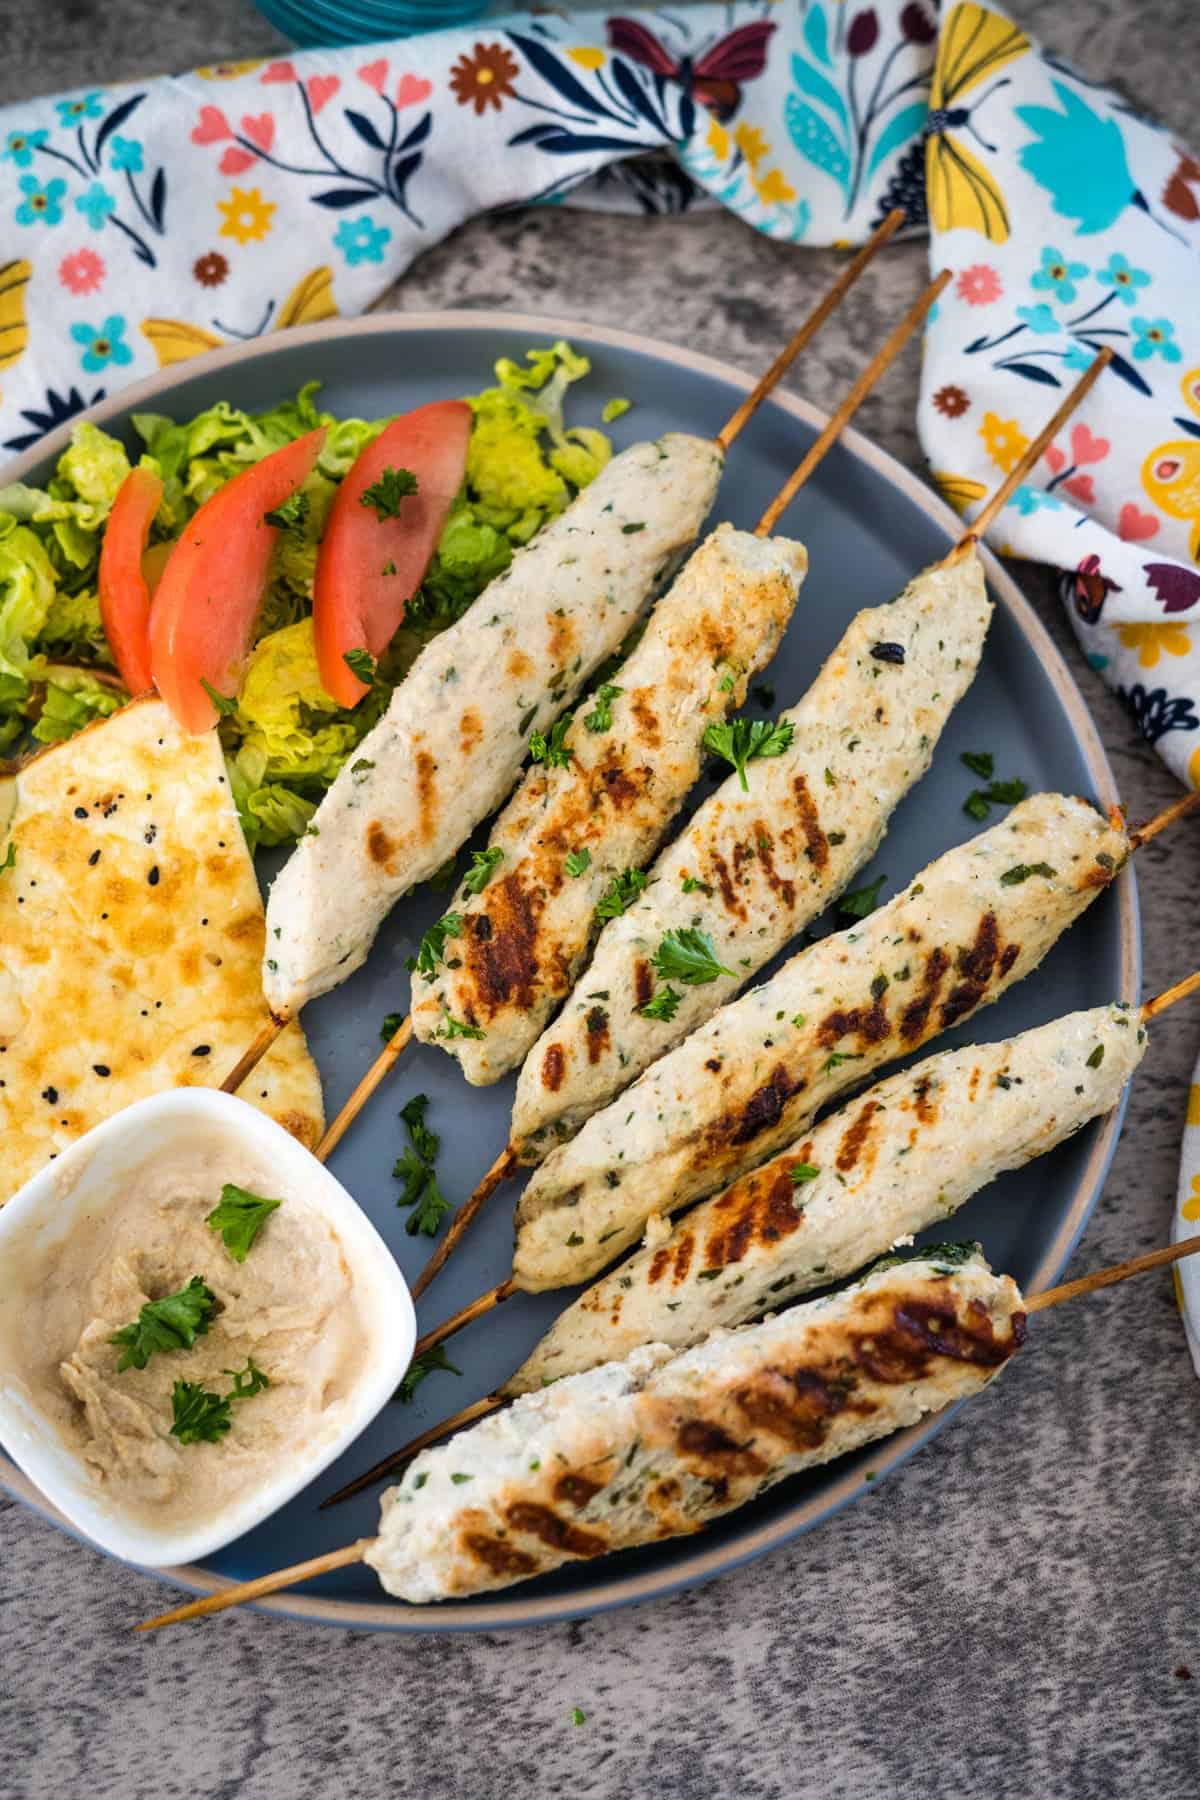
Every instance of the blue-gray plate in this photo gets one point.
(869, 524)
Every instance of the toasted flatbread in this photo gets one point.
(131, 939)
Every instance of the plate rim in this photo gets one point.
(704, 1565)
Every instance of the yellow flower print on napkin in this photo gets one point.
(958, 490)
(587, 56)
(1154, 640)
(718, 140)
(247, 215)
(1003, 440)
(14, 332)
(751, 142)
(1190, 1210)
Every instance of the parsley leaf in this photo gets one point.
(172, 1323)
(690, 956)
(600, 718)
(663, 1004)
(458, 1028)
(620, 894)
(837, 1057)
(199, 1416)
(239, 1216)
(292, 515)
(576, 861)
(225, 706)
(980, 762)
(432, 948)
(248, 1381)
(10, 858)
(361, 663)
(426, 1143)
(1096, 1058)
(554, 750)
(415, 1169)
(419, 1368)
(863, 900)
(484, 864)
(391, 1025)
(740, 741)
(802, 1172)
(386, 494)
(979, 802)
(1022, 871)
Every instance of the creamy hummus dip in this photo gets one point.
(290, 1306)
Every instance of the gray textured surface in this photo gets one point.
(1008, 1614)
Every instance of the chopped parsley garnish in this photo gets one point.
(663, 1005)
(10, 858)
(225, 706)
(802, 1172)
(979, 802)
(432, 948)
(202, 1417)
(1022, 871)
(1096, 1058)
(239, 1216)
(484, 864)
(740, 741)
(458, 1028)
(361, 663)
(837, 1058)
(389, 568)
(576, 861)
(620, 894)
(361, 769)
(691, 885)
(690, 956)
(419, 1368)
(600, 717)
(172, 1323)
(199, 1416)
(391, 1025)
(385, 495)
(292, 515)
(553, 750)
(863, 901)
(613, 409)
(980, 762)
(628, 530)
(415, 1168)
(578, 1716)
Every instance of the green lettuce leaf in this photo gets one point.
(72, 700)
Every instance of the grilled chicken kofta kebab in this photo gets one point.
(763, 856)
(663, 1443)
(604, 789)
(451, 743)
(900, 1158)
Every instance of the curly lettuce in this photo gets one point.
(286, 739)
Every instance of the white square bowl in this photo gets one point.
(91, 1175)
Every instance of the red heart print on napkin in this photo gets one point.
(374, 74)
(1056, 458)
(321, 88)
(1135, 526)
(259, 129)
(1081, 487)
(236, 161)
(213, 126)
(278, 71)
(411, 90)
(1085, 448)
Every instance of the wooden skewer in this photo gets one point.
(837, 423)
(1102, 1278)
(1031, 457)
(242, 1592)
(736, 423)
(810, 328)
(396, 1459)
(487, 1302)
(504, 1165)
(1179, 809)
(251, 1057)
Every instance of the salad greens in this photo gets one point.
(285, 739)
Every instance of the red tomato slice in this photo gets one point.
(206, 604)
(356, 605)
(124, 594)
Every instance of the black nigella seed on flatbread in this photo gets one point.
(152, 877)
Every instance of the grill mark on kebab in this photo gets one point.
(815, 840)
(536, 1520)
(599, 1036)
(504, 964)
(498, 1555)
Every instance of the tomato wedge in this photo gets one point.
(204, 609)
(369, 568)
(124, 590)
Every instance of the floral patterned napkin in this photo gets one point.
(149, 223)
